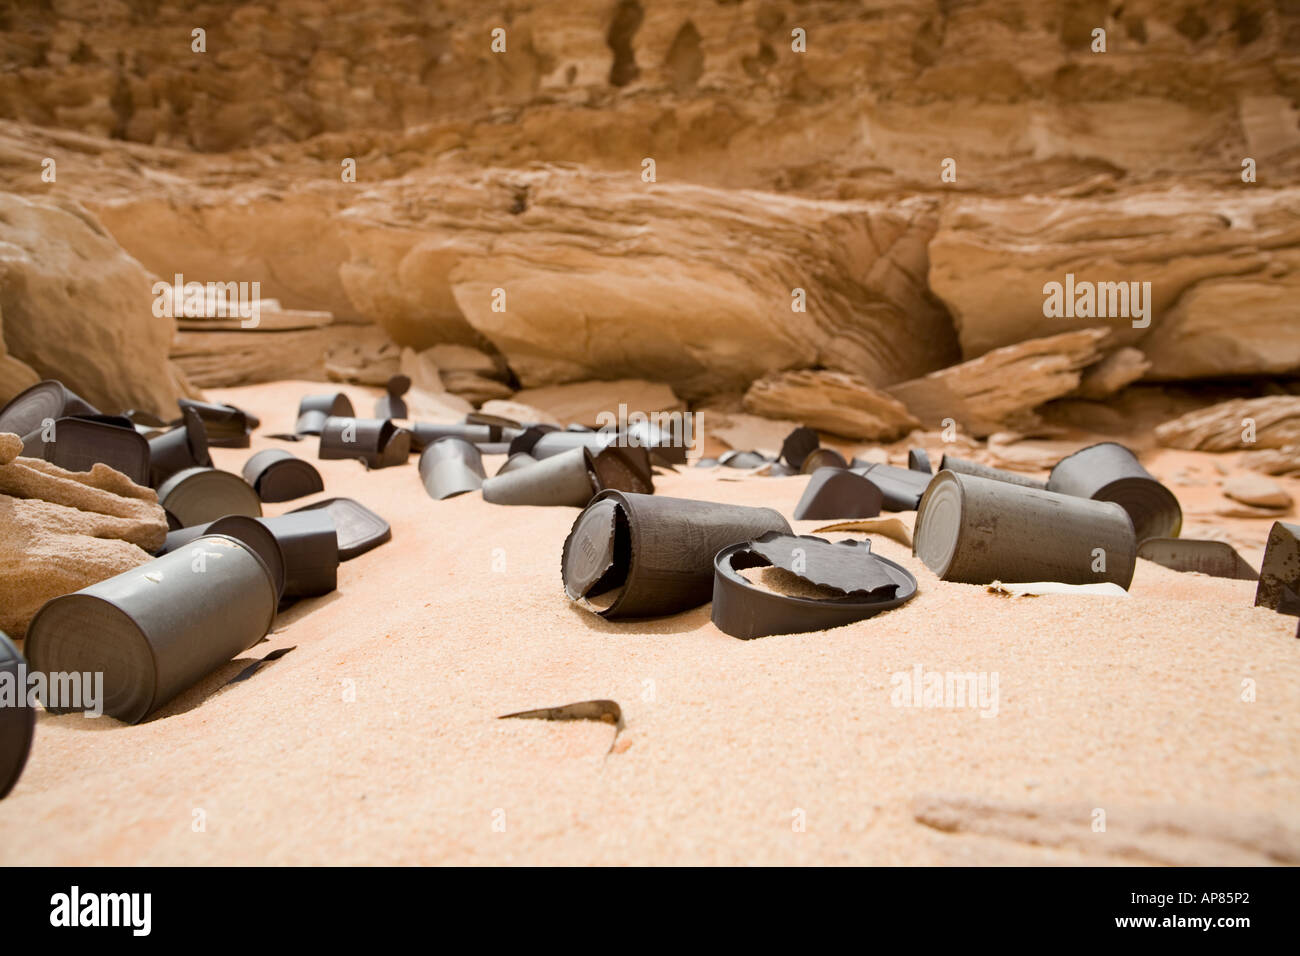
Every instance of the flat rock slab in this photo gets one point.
(985, 392)
(833, 402)
(1256, 490)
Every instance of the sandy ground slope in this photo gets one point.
(779, 750)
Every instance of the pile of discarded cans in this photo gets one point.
(213, 590)
(1099, 510)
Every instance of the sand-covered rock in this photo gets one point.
(61, 531)
(1270, 421)
(106, 502)
(428, 398)
(519, 412)
(471, 373)
(47, 551)
(1273, 461)
(1256, 490)
(1154, 835)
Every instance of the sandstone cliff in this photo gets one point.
(798, 150)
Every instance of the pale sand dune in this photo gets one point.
(1133, 706)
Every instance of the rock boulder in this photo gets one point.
(61, 531)
(1221, 266)
(77, 308)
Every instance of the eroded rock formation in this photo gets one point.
(573, 276)
(833, 402)
(1003, 385)
(863, 98)
(77, 308)
(621, 189)
(1271, 421)
(1211, 273)
(61, 531)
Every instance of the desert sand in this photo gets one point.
(375, 741)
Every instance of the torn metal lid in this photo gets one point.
(846, 566)
(860, 585)
(358, 528)
(592, 555)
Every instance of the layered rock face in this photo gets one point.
(752, 93)
(703, 195)
(567, 273)
(1213, 273)
(577, 276)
